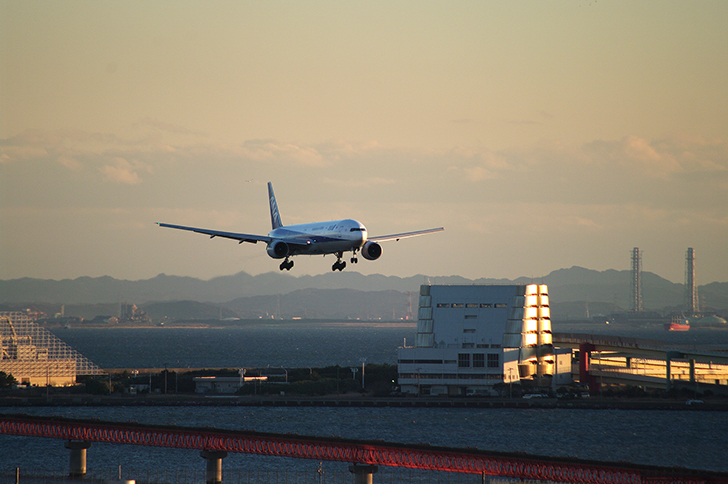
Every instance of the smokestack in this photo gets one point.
(692, 304)
(636, 280)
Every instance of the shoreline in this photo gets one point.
(592, 403)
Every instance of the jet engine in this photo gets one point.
(277, 249)
(371, 251)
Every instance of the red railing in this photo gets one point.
(360, 452)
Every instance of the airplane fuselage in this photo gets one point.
(322, 237)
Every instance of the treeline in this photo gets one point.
(379, 380)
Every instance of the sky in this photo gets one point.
(541, 135)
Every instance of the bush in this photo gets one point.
(97, 386)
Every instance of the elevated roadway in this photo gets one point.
(637, 347)
(624, 360)
(365, 455)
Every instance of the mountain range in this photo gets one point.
(573, 292)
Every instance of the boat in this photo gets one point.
(678, 324)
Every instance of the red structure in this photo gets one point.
(359, 452)
(585, 377)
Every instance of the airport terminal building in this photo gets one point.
(470, 338)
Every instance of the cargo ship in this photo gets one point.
(678, 324)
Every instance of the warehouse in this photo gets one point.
(470, 338)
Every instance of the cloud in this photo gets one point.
(365, 182)
(477, 166)
(478, 173)
(122, 171)
(665, 172)
(69, 162)
(167, 127)
(278, 151)
(9, 154)
(636, 155)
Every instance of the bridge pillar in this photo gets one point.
(669, 356)
(585, 377)
(78, 457)
(214, 465)
(363, 474)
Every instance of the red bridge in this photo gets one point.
(371, 453)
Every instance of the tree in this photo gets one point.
(7, 380)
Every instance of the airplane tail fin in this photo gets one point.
(275, 216)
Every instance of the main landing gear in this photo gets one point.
(286, 264)
(339, 264)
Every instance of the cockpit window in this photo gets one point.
(356, 229)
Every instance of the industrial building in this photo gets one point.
(36, 357)
(470, 338)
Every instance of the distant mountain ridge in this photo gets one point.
(565, 285)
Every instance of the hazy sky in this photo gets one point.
(542, 135)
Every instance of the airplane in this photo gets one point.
(319, 238)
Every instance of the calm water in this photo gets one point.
(689, 439)
(287, 344)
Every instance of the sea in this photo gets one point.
(689, 438)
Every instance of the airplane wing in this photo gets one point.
(382, 238)
(216, 233)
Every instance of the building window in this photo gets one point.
(469, 330)
(472, 376)
(471, 316)
(464, 360)
(478, 360)
(443, 305)
(501, 305)
(458, 305)
(471, 305)
(486, 305)
(493, 360)
(468, 345)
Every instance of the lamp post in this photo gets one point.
(510, 382)
(363, 363)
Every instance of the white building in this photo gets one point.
(470, 338)
(36, 357)
(224, 384)
(217, 384)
